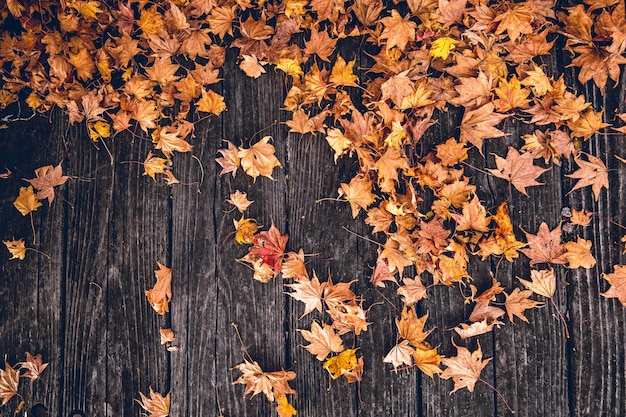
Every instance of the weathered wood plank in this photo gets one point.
(316, 228)
(195, 209)
(31, 292)
(84, 347)
(257, 309)
(138, 233)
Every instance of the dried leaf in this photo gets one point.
(156, 405)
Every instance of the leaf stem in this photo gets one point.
(499, 395)
(362, 237)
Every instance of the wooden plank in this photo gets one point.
(84, 372)
(316, 228)
(195, 209)
(138, 232)
(257, 309)
(31, 291)
(598, 355)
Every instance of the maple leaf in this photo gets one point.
(9, 381)
(269, 246)
(48, 177)
(338, 365)
(211, 102)
(477, 328)
(358, 193)
(581, 217)
(592, 172)
(294, 267)
(480, 124)
(341, 73)
(26, 202)
(239, 200)
(411, 328)
(578, 254)
(251, 66)
(545, 246)
(245, 229)
(542, 282)
(474, 217)
(441, 48)
(382, 272)
(320, 44)
(517, 302)
(387, 167)
(154, 165)
(33, 365)
(156, 405)
(283, 408)
(259, 159)
(398, 30)
(167, 336)
(168, 140)
(427, 360)
(323, 340)
(412, 290)
(518, 170)
(272, 384)
(16, 248)
(221, 20)
(617, 280)
(310, 292)
(465, 368)
(229, 160)
(400, 354)
(161, 294)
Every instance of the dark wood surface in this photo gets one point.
(85, 311)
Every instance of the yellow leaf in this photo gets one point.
(342, 363)
(33, 101)
(259, 159)
(442, 47)
(99, 130)
(16, 248)
(154, 165)
(341, 73)
(245, 230)
(284, 409)
(294, 8)
(26, 202)
(211, 102)
(290, 67)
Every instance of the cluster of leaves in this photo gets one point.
(10, 377)
(148, 68)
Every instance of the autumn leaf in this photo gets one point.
(259, 159)
(545, 246)
(400, 354)
(251, 66)
(310, 292)
(518, 169)
(161, 294)
(358, 193)
(617, 280)
(322, 340)
(542, 282)
(465, 368)
(283, 408)
(168, 140)
(33, 365)
(272, 384)
(578, 254)
(245, 230)
(341, 73)
(47, 178)
(16, 248)
(592, 172)
(240, 200)
(154, 165)
(441, 48)
(398, 30)
(427, 360)
(26, 202)
(339, 364)
(481, 124)
(269, 246)
(517, 302)
(211, 102)
(229, 161)
(9, 382)
(156, 405)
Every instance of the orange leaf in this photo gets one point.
(156, 405)
(16, 248)
(323, 340)
(617, 279)
(9, 381)
(518, 170)
(161, 294)
(26, 202)
(592, 172)
(465, 368)
(259, 159)
(578, 254)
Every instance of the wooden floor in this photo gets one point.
(85, 311)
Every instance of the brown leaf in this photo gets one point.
(518, 170)
(617, 279)
(358, 193)
(578, 254)
(481, 124)
(259, 159)
(161, 294)
(272, 384)
(9, 381)
(239, 200)
(322, 340)
(545, 246)
(47, 178)
(465, 368)
(33, 366)
(592, 172)
(156, 405)
(517, 302)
